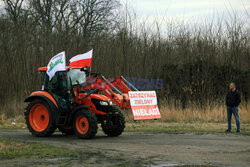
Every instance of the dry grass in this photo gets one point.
(193, 119)
(9, 123)
(183, 127)
(207, 114)
(217, 113)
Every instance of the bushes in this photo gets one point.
(201, 81)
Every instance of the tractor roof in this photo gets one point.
(44, 69)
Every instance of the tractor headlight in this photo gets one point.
(111, 102)
(104, 103)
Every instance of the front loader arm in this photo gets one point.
(102, 84)
(121, 83)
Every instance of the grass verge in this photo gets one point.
(10, 149)
(178, 127)
(159, 126)
(14, 153)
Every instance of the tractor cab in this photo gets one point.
(63, 81)
(76, 76)
(62, 84)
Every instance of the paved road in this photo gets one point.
(162, 148)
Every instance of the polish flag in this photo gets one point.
(81, 60)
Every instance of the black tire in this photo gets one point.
(67, 131)
(30, 109)
(81, 120)
(115, 123)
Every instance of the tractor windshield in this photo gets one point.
(77, 77)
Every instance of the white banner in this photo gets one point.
(144, 105)
(57, 63)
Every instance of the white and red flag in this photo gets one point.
(56, 63)
(81, 60)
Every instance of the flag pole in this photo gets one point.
(90, 71)
(91, 64)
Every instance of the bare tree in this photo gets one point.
(13, 8)
(91, 17)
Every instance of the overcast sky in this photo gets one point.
(189, 11)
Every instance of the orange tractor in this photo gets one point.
(75, 104)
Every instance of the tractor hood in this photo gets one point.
(99, 97)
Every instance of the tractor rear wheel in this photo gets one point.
(39, 118)
(115, 123)
(68, 130)
(85, 124)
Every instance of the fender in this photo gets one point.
(72, 114)
(42, 94)
(49, 101)
(80, 107)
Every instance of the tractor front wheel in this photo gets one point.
(85, 124)
(39, 118)
(114, 123)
